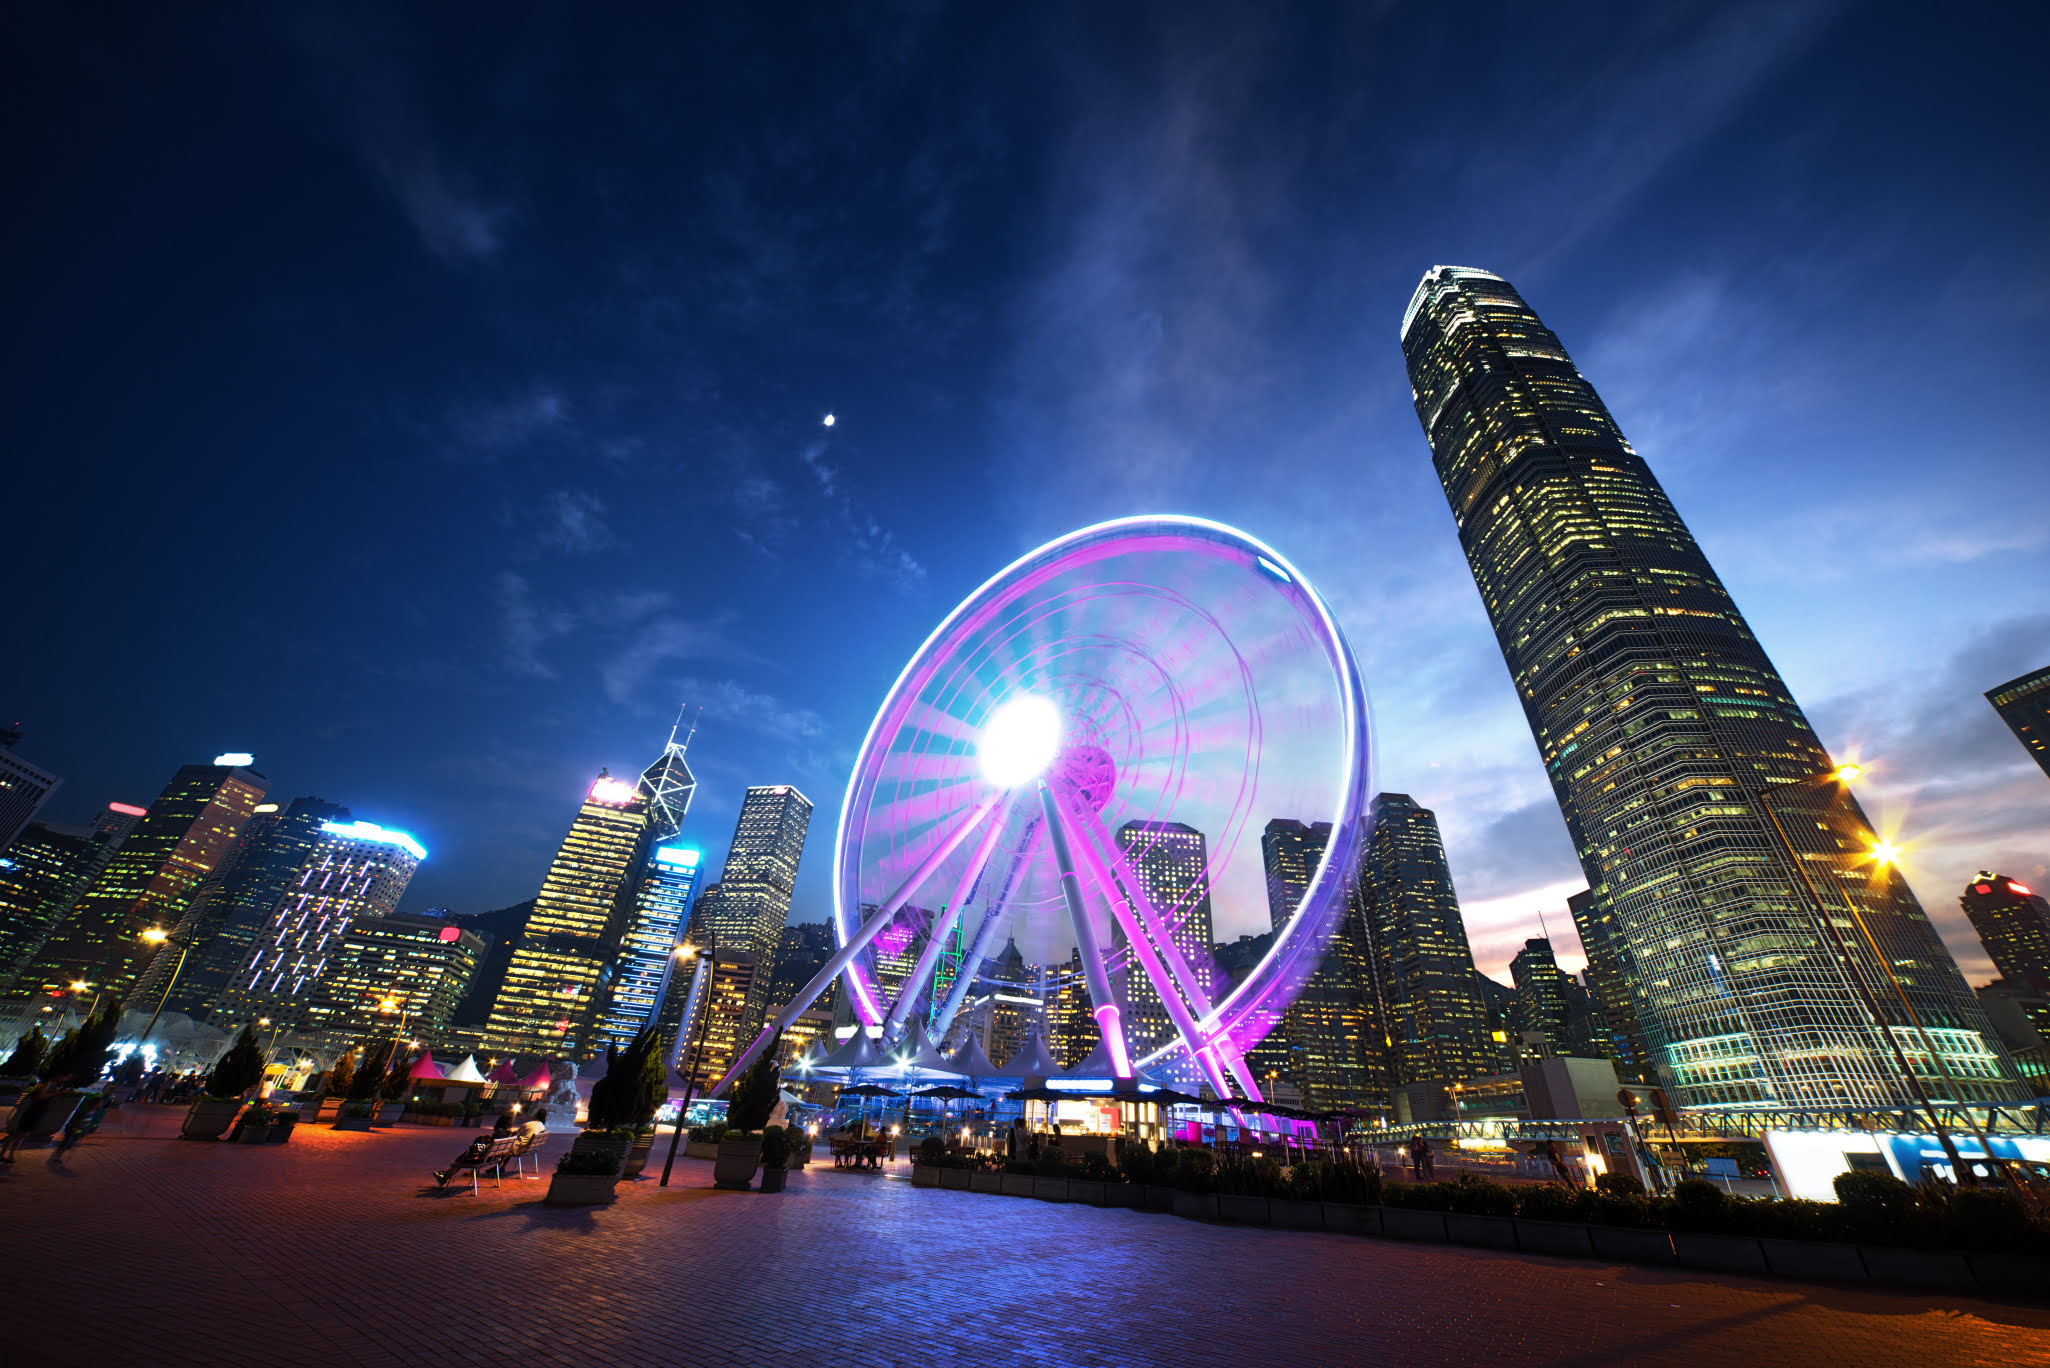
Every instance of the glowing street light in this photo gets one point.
(1846, 773)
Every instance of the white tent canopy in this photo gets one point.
(465, 1072)
(970, 1062)
(1031, 1061)
(856, 1052)
(920, 1060)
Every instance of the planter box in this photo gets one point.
(774, 1179)
(986, 1181)
(209, 1118)
(1945, 1268)
(1554, 1237)
(1290, 1215)
(1086, 1190)
(700, 1149)
(1348, 1219)
(735, 1166)
(579, 1189)
(1242, 1210)
(330, 1108)
(253, 1135)
(1017, 1184)
(1154, 1197)
(1485, 1232)
(352, 1123)
(1727, 1253)
(1050, 1189)
(1631, 1243)
(2011, 1275)
(389, 1114)
(925, 1175)
(956, 1180)
(1400, 1223)
(1125, 1195)
(1814, 1259)
(280, 1135)
(1196, 1206)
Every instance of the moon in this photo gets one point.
(829, 420)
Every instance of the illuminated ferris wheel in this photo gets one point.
(1116, 700)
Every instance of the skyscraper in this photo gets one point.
(1667, 734)
(563, 966)
(2024, 704)
(171, 851)
(723, 986)
(1336, 1046)
(24, 788)
(1423, 967)
(350, 871)
(1611, 979)
(1540, 1008)
(42, 876)
(419, 966)
(760, 875)
(647, 953)
(2013, 922)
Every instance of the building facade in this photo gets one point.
(43, 875)
(2024, 705)
(647, 953)
(1695, 791)
(2013, 923)
(1429, 995)
(397, 973)
(715, 1019)
(173, 847)
(351, 871)
(562, 968)
(760, 875)
(24, 788)
(1337, 1055)
(1611, 980)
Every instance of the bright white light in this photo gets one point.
(1020, 740)
(235, 758)
(829, 420)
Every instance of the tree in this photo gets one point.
(651, 1080)
(342, 1075)
(240, 1069)
(27, 1059)
(634, 1084)
(754, 1094)
(376, 1059)
(83, 1051)
(398, 1075)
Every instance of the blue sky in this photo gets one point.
(429, 400)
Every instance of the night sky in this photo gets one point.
(430, 399)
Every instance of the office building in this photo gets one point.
(2024, 704)
(24, 788)
(1697, 796)
(351, 871)
(801, 952)
(172, 849)
(1001, 1009)
(397, 974)
(42, 876)
(562, 967)
(1172, 863)
(1611, 979)
(1337, 1054)
(2020, 1013)
(2013, 923)
(1429, 995)
(1540, 1008)
(642, 974)
(721, 986)
(759, 877)
(499, 932)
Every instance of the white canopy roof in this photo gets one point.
(1031, 1061)
(1095, 1067)
(917, 1059)
(465, 1072)
(970, 1062)
(856, 1052)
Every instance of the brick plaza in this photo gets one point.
(336, 1248)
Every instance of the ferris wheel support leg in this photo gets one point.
(991, 920)
(1104, 1005)
(1114, 859)
(856, 943)
(936, 943)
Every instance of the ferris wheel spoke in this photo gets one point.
(936, 942)
(991, 921)
(856, 943)
(1114, 859)
(1105, 1007)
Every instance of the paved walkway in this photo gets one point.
(336, 1249)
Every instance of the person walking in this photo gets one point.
(28, 1112)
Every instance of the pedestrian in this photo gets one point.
(28, 1112)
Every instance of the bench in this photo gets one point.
(523, 1151)
(494, 1156)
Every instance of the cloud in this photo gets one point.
(869, 546)
(526, 627)
(493, 427)
(662, 639)
(362, 68)
(576, 523)
(765, 714)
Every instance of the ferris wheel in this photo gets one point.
(1082, 759)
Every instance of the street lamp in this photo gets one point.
(158, 937)
(1885, 854)
(690, 1076)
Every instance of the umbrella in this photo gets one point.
(867, 1090)
(1037, 1095)
(946, 1090)
(1166, 1097)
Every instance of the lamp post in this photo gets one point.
(1886, 854)
(690, 1076)
(158, 937)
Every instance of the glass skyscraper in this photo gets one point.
(563, 965)
(647, 954)
(1430, 996)
(1720, 858)
(2024, 704)
(755, 887)
(1336, 1048)
(184, 835)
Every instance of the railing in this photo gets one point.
(1751, 1123)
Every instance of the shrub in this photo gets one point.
(1195, 1169)
(1621, 1209)
(708, 1135)
(1994, 1219)
(1876, 1206)
(1554, 1202)
(1053, 1162)
(1475, 1196)
(27, 1059)
(240, 1069)
(931, 1150)
(1346, 1179)
(1788, 1219)
(776, 1146)
(342, 1077)
(1699, 1205)
(1137, 1163)
(83, 1051)
(594, 1162)
(365, 1077)
(1617, 1185)
(1096, 1168)
(754, 1093)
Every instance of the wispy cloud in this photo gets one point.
(576, 522)
(869, 546)
(765, 714)
(660, 640)
(526, 627)
(492, 427)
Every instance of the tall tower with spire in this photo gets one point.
(646, 964)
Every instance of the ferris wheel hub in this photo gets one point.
(1020, 740)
